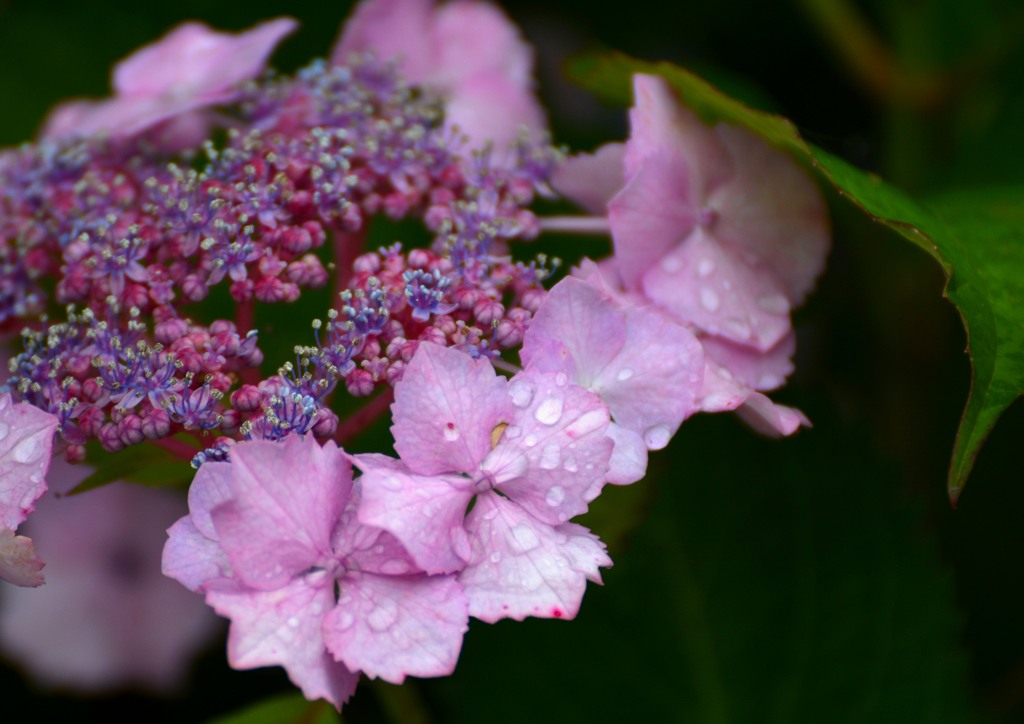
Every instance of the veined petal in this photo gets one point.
(26, 441)
(19, 563)
(390, 627)
(522, 567)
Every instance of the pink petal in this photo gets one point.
(706, 285)
(490, 107)
(19, 563)
(521, 567)
(210, 487)
(194, 560)
(553, 456)
(287, 497)
(758, 370)
(592, 179)
(446, 406)
(425, 513)
(629, 456)
(26, 441)
(194, 60)
(769, 418)
(391, 627)
(652, 214)
(474, 38)
(773, 210)
(660, 124)
(392, 29)
(283, 628)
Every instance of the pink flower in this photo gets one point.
(171, 82)
(647, 368)
(273, 541)
(467, 51)
(532, 451)
(720, 230)
(26, 442)
(107, 618)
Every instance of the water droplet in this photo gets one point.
(521, 393)
(293, 622)
(530, 440)
(513, 431)
(705, 267)
(570, 464)
(709, 299)
(383, 616)
(550, 411)
(4, 429)
(392, 483)
(555, 496)
(737, 329)
(496, 557)
(550, 456)
(394, 567)
(671, 264)
(346, 620)
(773, 303)
(451, 433)
(624, 374)
(561, 379)
(525, 538)
(657, 437)
(587, 423)
(26, 451)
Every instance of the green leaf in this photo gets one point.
(145, 464)
(771, 583)
(283, 709)
(977, 237)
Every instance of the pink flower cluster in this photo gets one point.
(333, 564)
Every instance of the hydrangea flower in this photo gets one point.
(26, 442)
(647, 368)
(467, 51)
(106, 617)
(189, 69)
(273, 542)
(720, 230)
(529, 454)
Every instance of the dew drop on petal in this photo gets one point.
(550, 411)
(496, 557)
(671, 264)
(561, 379)
(383, 616)
(525, 538)
(4, 429)
(555, 496)
(512, 432)
(708, 299)
(521, 392)
(392, 483)
(530, 440)
(624, 374)
(293, 622)
(550, 456)
(705, 267)
(346, 620)
(570, 464)
(657, 437)
(737, 329)
(773, 303)
(26, 451)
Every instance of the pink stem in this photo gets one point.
(245, 321)
(347, 246)
(360, 419)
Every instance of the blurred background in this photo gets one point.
(819, 578)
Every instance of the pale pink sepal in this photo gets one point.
(390, 627)
(521, 567)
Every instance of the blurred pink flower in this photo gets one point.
(467, 51)
(106, 618)
(172, 81)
